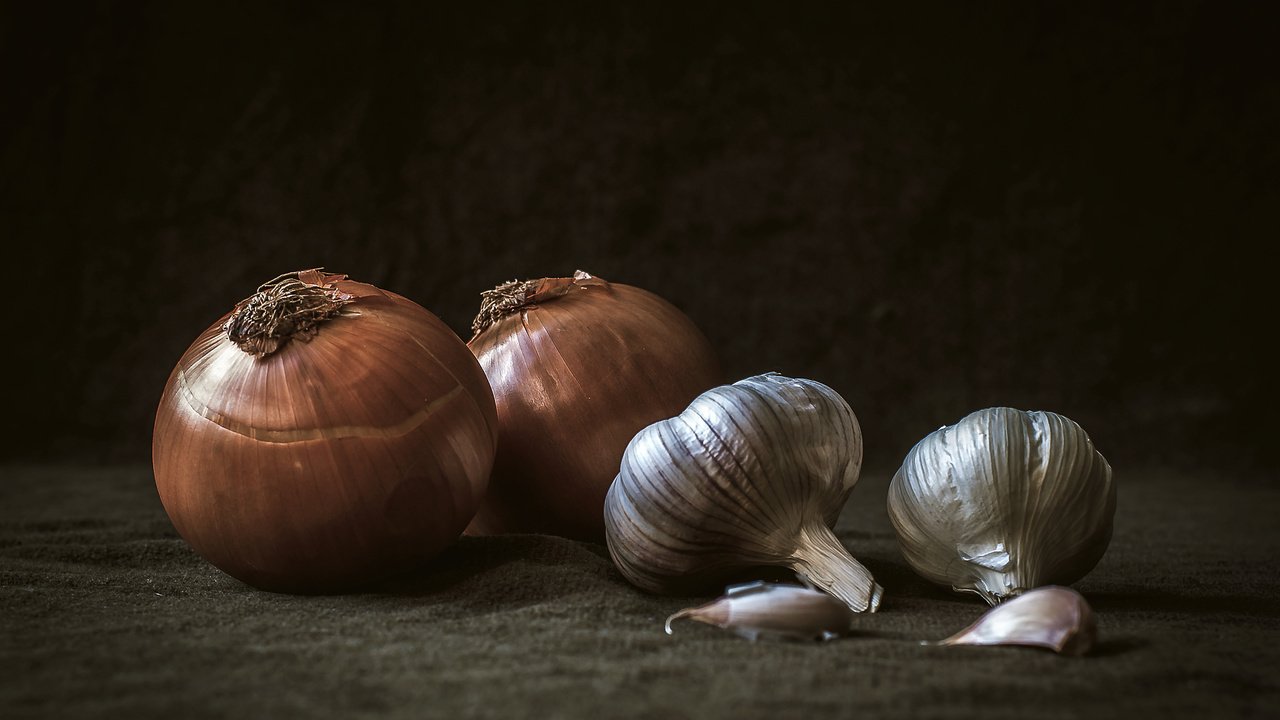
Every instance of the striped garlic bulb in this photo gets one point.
(1002, 502)
(750, 474)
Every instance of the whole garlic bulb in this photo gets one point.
(750, 474)
(1002, 502)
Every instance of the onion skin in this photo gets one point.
(577, 370)
(330, 463)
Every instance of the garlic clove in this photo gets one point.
(1057, 618)
(773, 610)
(1003, 501)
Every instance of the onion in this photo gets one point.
(323, 435)
(578, 366)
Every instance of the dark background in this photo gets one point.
(931, 208)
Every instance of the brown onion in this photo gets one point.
(578, 366)
(322, 435)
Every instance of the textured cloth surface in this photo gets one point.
(105, 612)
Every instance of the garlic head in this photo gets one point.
(754, 473)
(1002, 502)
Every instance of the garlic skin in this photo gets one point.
(750, 474)
(773, 611)
(1056, 618)
(1002, 502)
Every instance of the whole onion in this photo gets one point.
(322, 435)
(578, 366)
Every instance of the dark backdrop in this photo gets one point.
(932, 208)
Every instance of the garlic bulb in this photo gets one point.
(1003, 501)
(1056, 618)
(773, 610)
(750, 474)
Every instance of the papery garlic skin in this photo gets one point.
(750, 474)
(1003, 501)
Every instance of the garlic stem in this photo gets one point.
(822, 560)
(993, 587)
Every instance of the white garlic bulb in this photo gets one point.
(750, 474)
(1003, 501)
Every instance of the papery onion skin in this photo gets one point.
(329, 463)
(578, 366)
(1003, 501)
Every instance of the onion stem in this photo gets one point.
(501, 301)
(287, 307)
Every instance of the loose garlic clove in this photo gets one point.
(750, 474)
(1052, 617)
(771, 610)
(1003, 501)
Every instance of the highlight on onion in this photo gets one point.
(578, 366)
(323, 435)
